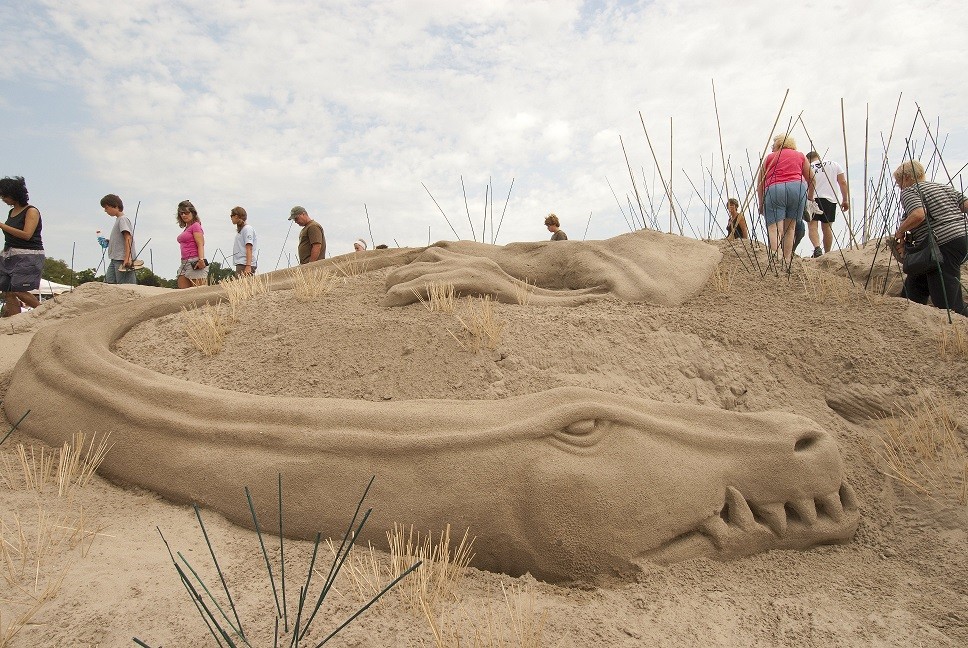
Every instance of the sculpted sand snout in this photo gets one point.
(647, 482)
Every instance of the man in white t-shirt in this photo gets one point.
(828, 176)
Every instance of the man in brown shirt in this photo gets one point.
(312, 241)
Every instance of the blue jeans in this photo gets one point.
(785, 200)
(115, 275)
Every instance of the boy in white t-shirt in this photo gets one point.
(120, 269)
(828, 176)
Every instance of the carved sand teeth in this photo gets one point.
(739, 517)
(773, 516)
(831, 506)
(804, 509)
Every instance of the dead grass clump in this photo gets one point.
(523, 291)
(311, 283)
(441, 297)
(70, 466)
(513, 623)
(431, 585)
(206, 327)
(722, 278)
(921, 449)
(76, 465)
(820, 286)
(37, 465)
(350, 268)
(29, 607)
(952, 341)
(436, 580)
(482, 328)
(242, 288)
(881, 288)
(36, 552)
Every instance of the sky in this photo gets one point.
(356, 109)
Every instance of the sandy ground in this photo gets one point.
(814, 347)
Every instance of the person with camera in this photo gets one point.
(933, 210)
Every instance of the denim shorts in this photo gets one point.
(21, 271)
(785, 200)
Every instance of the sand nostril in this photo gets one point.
(806, 442)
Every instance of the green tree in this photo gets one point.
(148, 278)
(84, 276)
(218, 274)
(58, 271)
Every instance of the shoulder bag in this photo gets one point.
(922, 258)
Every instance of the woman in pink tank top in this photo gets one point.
(785, 184)
(193, 270)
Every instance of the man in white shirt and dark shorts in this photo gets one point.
(828, 176)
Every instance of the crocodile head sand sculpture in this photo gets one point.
(568, 484)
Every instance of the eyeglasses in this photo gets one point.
(183, 213)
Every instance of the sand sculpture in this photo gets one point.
(639, 266)
(568, 484)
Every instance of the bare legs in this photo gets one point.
(14, 300)
(814, 233)
(781, 238)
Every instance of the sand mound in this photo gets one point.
(724, 357)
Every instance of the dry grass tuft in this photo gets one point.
(523, 291)
(70, 467)
(436, 581)
(722, 278)
(350, 268)
(952, 341)
(514, 624)
(878, 293)
(240, 289)
(482, 328)
(921, 449)
(821, 286)
(816, 284)
(36, 552)
(76, 465)
(432, 585)
(311, 283)
(441, 297)
(37, 465)
(29, 607)
(206, 327)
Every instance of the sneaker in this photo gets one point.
(817, 252)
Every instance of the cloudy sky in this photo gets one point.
(337, 105)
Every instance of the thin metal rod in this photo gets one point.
(370, 229)
(442, 213)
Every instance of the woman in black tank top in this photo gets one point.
(22, 259)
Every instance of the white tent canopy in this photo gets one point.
(49, 288)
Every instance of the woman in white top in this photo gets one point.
(245, 254)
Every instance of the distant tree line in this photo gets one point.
(58, 271)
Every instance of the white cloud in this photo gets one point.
(268, 104)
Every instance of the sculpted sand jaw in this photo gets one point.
(568, 484)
